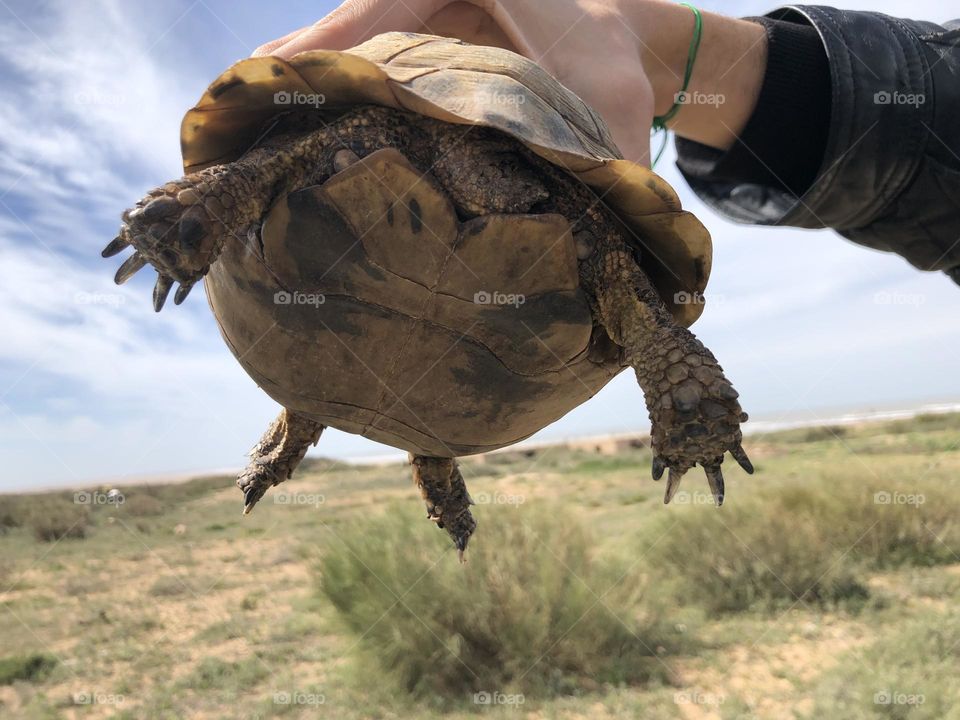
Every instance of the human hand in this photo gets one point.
(625, 58)
(588, 45)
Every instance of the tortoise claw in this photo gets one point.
(659, 465)
(743, 461)
(130, 267)
(182, 293)
(251, 497)
(118, 244)
(673, 483)
(161, 290)
(715, 479)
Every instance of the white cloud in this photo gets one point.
(94, 384)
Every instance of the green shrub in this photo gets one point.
(169, 586)
(753, 552)
(521, 614)
(142, 505)
(212, 673)
(56, 518)
(11, 513)
(808, 540)
(910, 673)
(803, 435)
(927, 422)
(31, 667)
(180, 492)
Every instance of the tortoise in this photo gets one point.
(437, 246)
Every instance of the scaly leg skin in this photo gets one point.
(482, 173)
(693, 408)
(277, 455)
(448, 502)
(180, 227)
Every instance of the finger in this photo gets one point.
(623, 100)
(356, 21)
(470, 23)
(629, 115)
(267, 48)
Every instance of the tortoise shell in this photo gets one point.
(344, 312)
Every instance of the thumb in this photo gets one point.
(356, 21)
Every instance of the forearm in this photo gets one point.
(727, 76)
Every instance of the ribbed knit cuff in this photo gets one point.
(785, 139)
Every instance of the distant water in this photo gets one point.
(852, 417)
(760, 425)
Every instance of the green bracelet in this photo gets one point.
(660, 122)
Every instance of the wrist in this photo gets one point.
(727, 75)
(664, 31)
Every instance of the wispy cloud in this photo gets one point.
(94, 384)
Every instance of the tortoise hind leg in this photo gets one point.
(277, 455)
(448, 502)
(483, 173)
(693, 408)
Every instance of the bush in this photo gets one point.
(11, 513)
(753, 552)
(890, 522)
(31, 667)
(212, 673)
(142, 505)
(911, 673)
(807, 541)
(169, 586)
(175, 493)
(521, 614)
(56, 518)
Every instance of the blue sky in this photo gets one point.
(94, 385)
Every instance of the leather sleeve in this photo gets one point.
(889, 177)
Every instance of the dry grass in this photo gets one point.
(175, 606)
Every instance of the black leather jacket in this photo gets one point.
(890, 174)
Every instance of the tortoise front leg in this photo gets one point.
(277, 455)
(180, 228)
(694, 412)
(448, 502)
